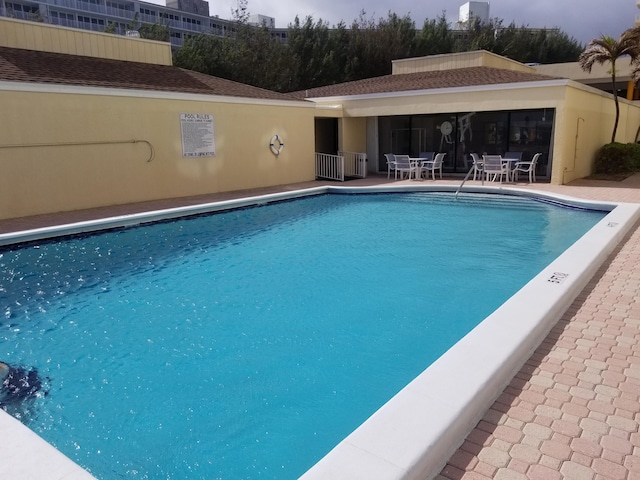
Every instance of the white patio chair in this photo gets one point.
(404, 164)
(526, 167)
(494, 168)
(477, 165)
(391, 164)
(432, 166)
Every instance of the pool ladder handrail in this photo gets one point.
(465, 179)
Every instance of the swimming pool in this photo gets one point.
(241, 266)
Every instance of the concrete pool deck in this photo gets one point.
(573, 410)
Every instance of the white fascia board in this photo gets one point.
(124, 92)
(444, 91)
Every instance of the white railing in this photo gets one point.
(337, 167)
(355, 164)
(330, 166)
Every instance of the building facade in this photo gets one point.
(183, 18)
(473, 10)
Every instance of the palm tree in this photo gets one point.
(607, 50)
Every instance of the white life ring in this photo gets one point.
(276, 145)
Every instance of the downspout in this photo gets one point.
(575, 150)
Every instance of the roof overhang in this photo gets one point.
(152, 94)
(443, 91)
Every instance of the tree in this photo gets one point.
(310, 47)
(435, 37)
(154, 31)
(608, 50)
(317, 55)
(110, 28)
(248, 54)
(373, 46)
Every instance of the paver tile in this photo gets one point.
(495, 457)
(575, 471)
(609, 469)
(557, 450)
(540, 472)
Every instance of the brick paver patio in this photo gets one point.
(573, 410)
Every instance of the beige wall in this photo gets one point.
(449, 61)
(600, 73)
(582, 127)
(352, 133)
(52, 38)
(67, 173)
(629, 128)
(457, 100)
(587, 124)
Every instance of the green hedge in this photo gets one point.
(615, 158)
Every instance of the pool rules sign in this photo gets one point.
(198, 137)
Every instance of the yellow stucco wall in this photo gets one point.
(629, 128)
(455, 101)
(66, 175)
(450, 61)
(582, 127)
(586, 125)
(52, 38)
(353, 134)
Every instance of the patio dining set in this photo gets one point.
(486, 167)
(415, 167)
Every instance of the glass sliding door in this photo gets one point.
(460, 134)
(530, 133)
(394, 136)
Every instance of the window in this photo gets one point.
(16, 7)
(89, 20)
(62, 15)
(119, 6)
(146, 11)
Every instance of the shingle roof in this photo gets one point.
(461, 77)
(43, 67)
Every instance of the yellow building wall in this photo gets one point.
(582, 127)
(630, 128)
(56, 39)
(352, 133)
(449, 61)
(459, 101)
(68, 151)
(588, 121)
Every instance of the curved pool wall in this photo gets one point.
(414, 434)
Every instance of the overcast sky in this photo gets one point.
(580, 19)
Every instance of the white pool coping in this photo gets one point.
(414, 434)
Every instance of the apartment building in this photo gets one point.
(184, 18)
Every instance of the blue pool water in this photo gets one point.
(246, 344)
